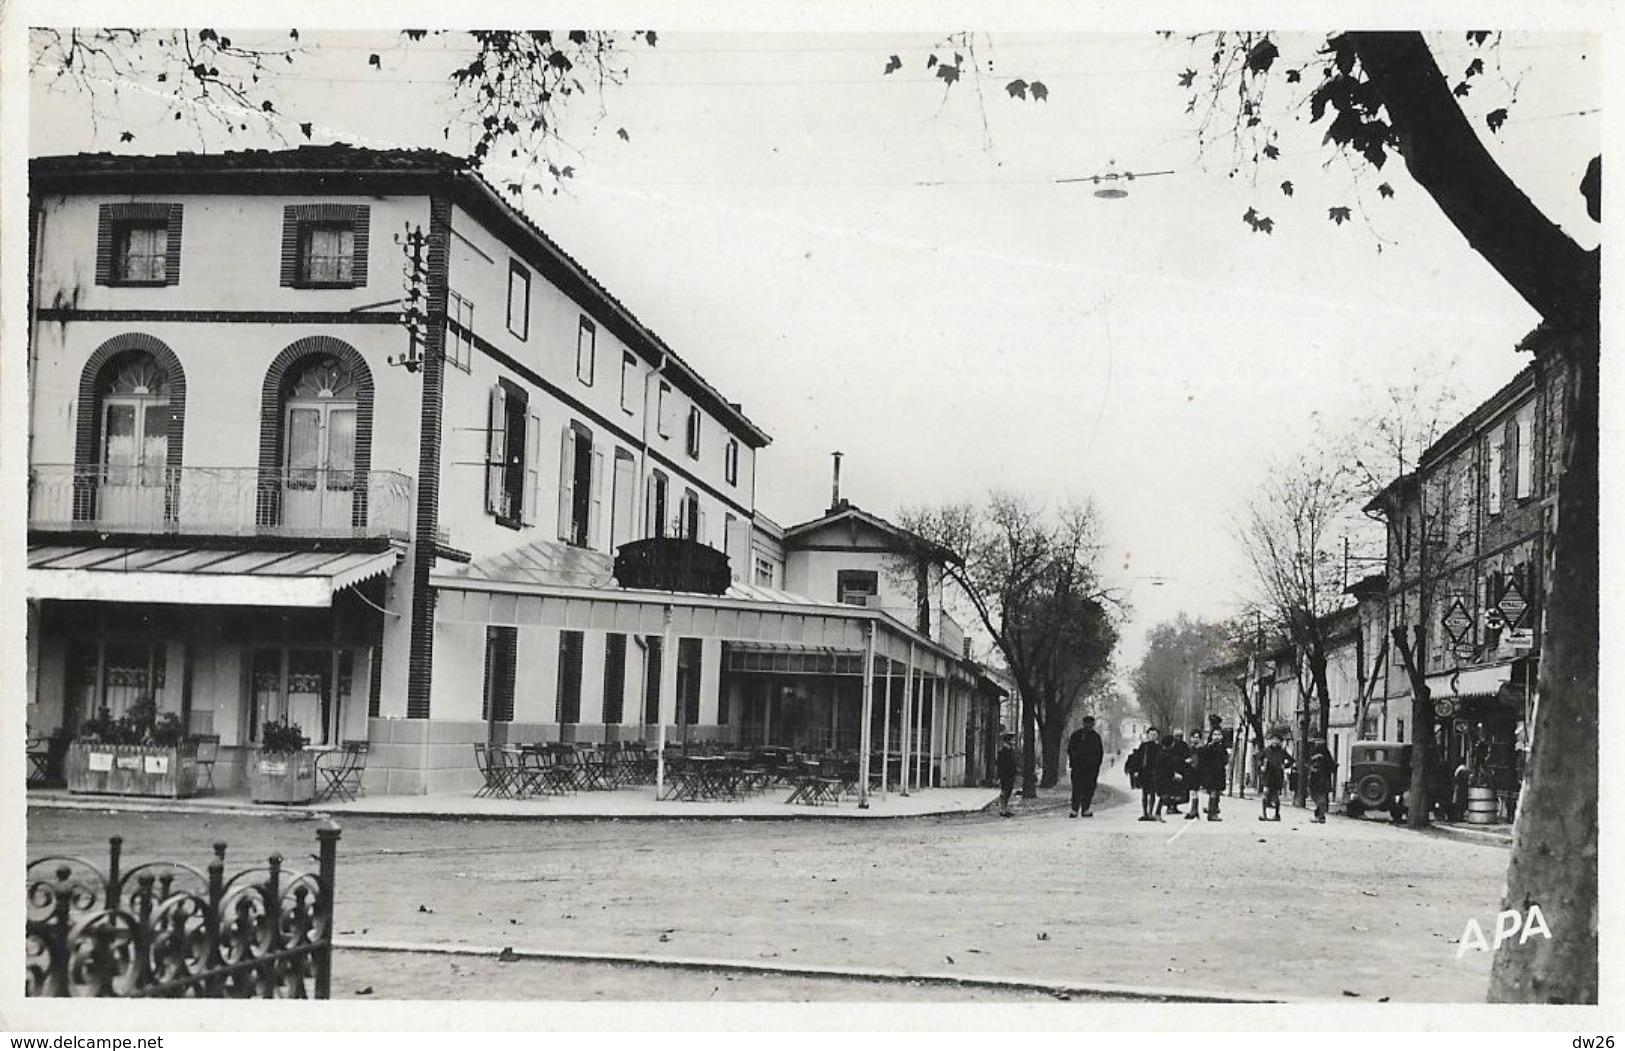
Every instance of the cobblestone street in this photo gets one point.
(1292, 910)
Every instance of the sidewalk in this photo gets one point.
(635, 803)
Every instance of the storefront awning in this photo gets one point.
(197, 576)
(1469, 682)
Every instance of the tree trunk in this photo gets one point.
(1554, 843)
(1050, 737)
(1029, 727)
(1421, 728)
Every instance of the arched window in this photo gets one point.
(132, 453)
(128, 436)
(319, 442)
(133, 401)
(315, 439)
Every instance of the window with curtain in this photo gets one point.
(135, 420)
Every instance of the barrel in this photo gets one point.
(1482, 806)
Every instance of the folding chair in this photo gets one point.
(497, 775)
(341, 771)
(208, 750)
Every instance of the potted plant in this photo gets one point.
(282, 771)
(140, 753)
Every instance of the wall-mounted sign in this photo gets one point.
(1457, 622)
(101, 760)
(1444, 707)
(1513, 606)
(157, 764)
(672, 564)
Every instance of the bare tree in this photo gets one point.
(1165, 681)
(1291, 533)
(1033, 581)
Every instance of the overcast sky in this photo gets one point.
(852, 257)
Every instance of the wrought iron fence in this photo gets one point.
(167, 929)
(235, 501)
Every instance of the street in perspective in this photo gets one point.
(784, 515)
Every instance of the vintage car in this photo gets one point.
(1379, 778)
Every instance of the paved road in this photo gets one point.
(1293, 909)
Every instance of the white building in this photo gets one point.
(339, 437)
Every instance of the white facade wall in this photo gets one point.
(558, 396)
(814, 573)
(230, 260)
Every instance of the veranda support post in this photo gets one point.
(868, 712)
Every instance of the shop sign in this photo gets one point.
(157, 764)
(1457, 622)
(1512, 606)
(1444, 707)
(672, 564)
(102, 761)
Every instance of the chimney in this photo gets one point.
(835, 486)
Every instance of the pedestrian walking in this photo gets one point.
(1084, 751)
(1273, 763)
(1006, 765)
(1322, 775)
(1213, 759)
(1142, 772)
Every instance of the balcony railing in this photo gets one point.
(232, 501)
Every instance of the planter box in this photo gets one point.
(282, 777)
(132, 769)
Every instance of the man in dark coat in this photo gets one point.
(1322, 775)
(1084, 752)
(1142, 772)
(1006, 766)
(1212, 761)
(1273, 763)
(1171, 762)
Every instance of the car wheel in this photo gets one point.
(1372, 791)
(1354, 808)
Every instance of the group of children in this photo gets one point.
(1168, 772)
(1171, 772)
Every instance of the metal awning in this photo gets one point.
(198, 576)
(552, 585)
(1469, 682)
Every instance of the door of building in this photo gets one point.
(319, 481)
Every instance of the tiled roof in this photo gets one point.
(848, 510)
(338, 156)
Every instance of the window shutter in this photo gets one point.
(699, 527)
(1523, 455)
(595, 516)
(362, 215)
(290, 245)
(172, 261)
(533, 467)
(496, 452)
(104, 245)
(567, 481)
